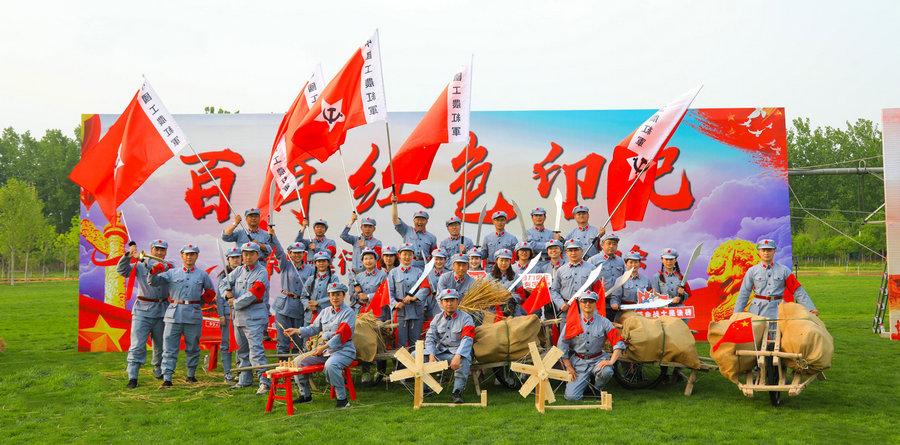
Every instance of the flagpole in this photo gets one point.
(222, 194)
(387, 129)
(465, 186)
(349, 191)
(303, 213)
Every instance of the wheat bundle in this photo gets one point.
(484, 294)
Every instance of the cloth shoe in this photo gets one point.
(132, 383)
(342, 403)
(263, 389)
(229, 378)
(166, 384)
(456, 397)
(238, 386)
(191, 379)
(303, 399)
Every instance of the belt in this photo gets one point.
(186, 301)
(150, 299)
(769, 298)
(588, 357)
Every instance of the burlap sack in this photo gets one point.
(506, 340)
(643, 337)
(366, 337)
(803, 332)
(679, 344)
(665, 339)
(730, 364)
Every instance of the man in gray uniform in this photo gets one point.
(291, 304)
(451, 244)
(148, 310)
(497, 240)
(613, 268)
(586, 234)
(539, 235)
(769, 280)
(360, 243)
(422, 241)
(190, 288)
(240, 236)
(450, 337)
(569, 277)
(248, 286)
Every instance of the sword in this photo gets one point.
(222, 255)
(480, 223)
(691, 264)
(558, 199)
(620, 281)
(587, 283)
(519, 216)
(531, 265)
(428, 268)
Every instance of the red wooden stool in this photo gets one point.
(282, 379)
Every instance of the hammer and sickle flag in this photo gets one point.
(354, 97)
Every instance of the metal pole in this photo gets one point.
(350, 192)
(222, 194)
(387, 129)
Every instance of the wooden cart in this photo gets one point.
(771, 374)
(646, 375)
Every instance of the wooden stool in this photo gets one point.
(282, 379)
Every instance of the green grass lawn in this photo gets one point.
(49, 392)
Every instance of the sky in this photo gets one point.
(829, 61)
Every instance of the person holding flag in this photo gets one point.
(290, 305)
(360, 243)
(190, 288)
(583, 354)
(613, 268)
(232, 262)
(772, 283)
(319, 244)
(148, 311)
(420, 240)
(668, 280)
(253, 234)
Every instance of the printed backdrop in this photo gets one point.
(722, 181)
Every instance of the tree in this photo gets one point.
(20, 213)
(66, 245)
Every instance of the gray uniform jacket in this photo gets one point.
(450, 333)
(248, 309)
(142, 308)
(768, 281)
(185, 285)
(371, 243)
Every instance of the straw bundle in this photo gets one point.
(484, 294)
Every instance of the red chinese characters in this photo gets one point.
(476, 178)
(196, 197)
(592, 165)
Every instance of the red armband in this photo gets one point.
(614, 337)
(468, 331)
(159, 267)
(208, 295)
(333, 250)
(521, 292)
(345, 331)
(257, 289)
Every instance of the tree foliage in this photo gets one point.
(22, 223)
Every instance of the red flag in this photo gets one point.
(379, 300)
(354, 97)
(601, 301)
(573, 321)
(446, 121)
(790, 286)
(638, 152)
(539, 298)
(143, 138)
(739, 331)
(278, 167)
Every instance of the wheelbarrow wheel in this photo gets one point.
(637, 375)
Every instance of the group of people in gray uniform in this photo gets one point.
(314, 302)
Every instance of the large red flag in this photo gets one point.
(573, 321)
(354, 97)
(739, 331)
(278, 167)
(446, 121)
(379, 300)
(636, 153)
(143, 138)
(539, 298)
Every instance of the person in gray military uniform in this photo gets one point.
(240, 236)
(320, 243)
(455, 243)
(190, 288)
(336, 325)
(247, 288)
(505, 275)
(569, 277)
(476, 259)
(668, 280)
(769, 280)
(431, 282)
(290, 306)
(422, 241)
(450, 337)
(316, 286)
(538, 235)
(362, 242)
(459, 280)
(583, 355)
(613, 268)
(499, 239)
(553, 249)
(635, 284)
(148, 310)
(388, 259)
(233, 259)
(407, 302)
(586, 234)
(367, 282)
